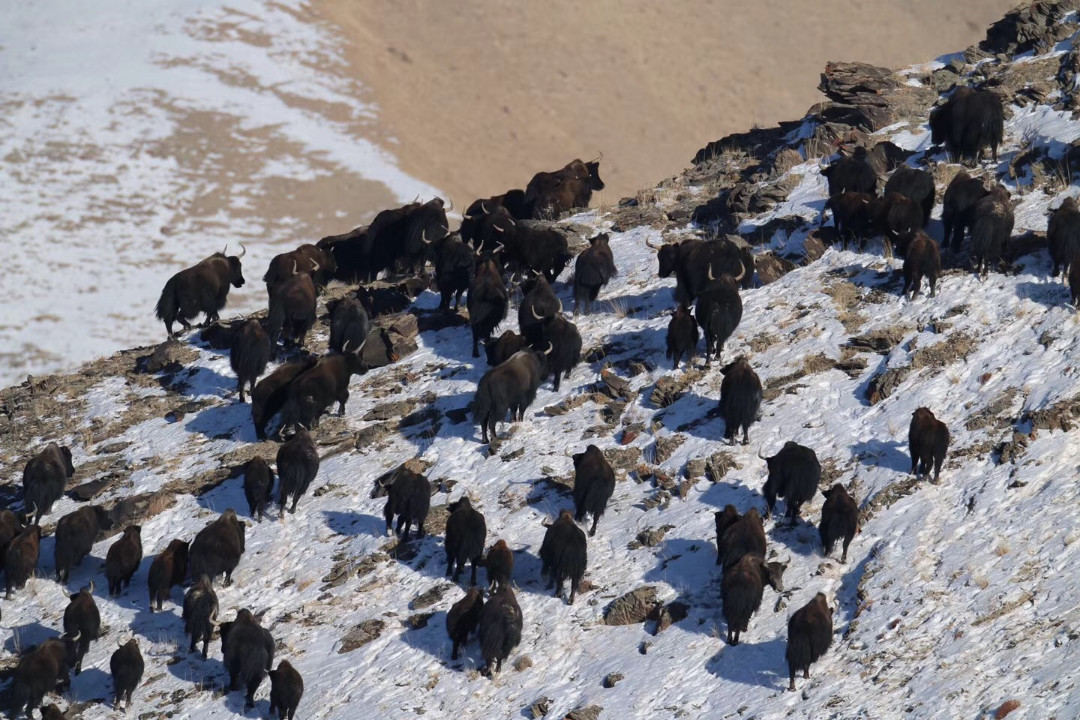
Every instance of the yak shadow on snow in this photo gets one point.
(24, 636)
(93, 684)
(433, 640)
(1052, 294)
(231, 421)
(689, 566)
(888, 454)
(760, 664)
(742, 496)
(352, 523)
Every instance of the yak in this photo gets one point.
(82, 620)
(408, 499)
(487, 303)
(349, 324)
(851, 174)
(719, 311)
(21, 558)
(959, 200)
(126, 665)
(969, 122)
(258, 486)
(742, 589)
(839, 519)
(737, 536)
(286, 690)
(272, 392)
(794, 474)
(249, 354)
(550, 194)
(1063, 236)
(740, 399)
(565, 341)
(921, 259)
(247, 649)
(297, 465)
(593, 269)
(217, 548)
(809, 636)
(466, 532)
(509, 387)
(991, 224)
(168, 570)
(928, 441)
(500, 629)
(313, 391)
(42, 669)
(501, 349)
(318, 262)
(594, 483)
(564, 555)
(463, 619)
(203, 288)
(682, 336)
(917, 185)
(44, 478)
(538, 306)
(123, 559)
(75, 536)
(499, 565)
(292, 311)
(199, 613)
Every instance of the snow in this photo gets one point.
(96, 190)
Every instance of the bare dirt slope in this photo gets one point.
(479, 94)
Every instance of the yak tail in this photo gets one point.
(166, 305)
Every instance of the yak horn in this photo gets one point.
(511, 220)
(224, 248)
(314, 266)
(499, 229)
(451, 204)
(760, 455)
(76, 637)
(360, 347)
(499, 247)
(423, 237)
(34, 511)
(532, 308)
(483, 209)
(742, 271)
(650, 245)
(560, 304)
(345, 347)
(243, 251)
(550, 347)
(709, 275)
(91, 587)
(295, 267)
(445, 229)
(214, 621)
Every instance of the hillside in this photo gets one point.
(957, 597)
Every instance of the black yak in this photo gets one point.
(593, 269)
(487, 302)
(719, 311)
(454, 263)
(969, 121)
(169, 569)
(318, 262)
(991, 224)
(538, 306)
(565, 342)
(839, 519)
(199, 613)
(42, 669)
(217, 548)
(75, 536)
(82, 620)
(742, 589)
(126, 665)
(21, 558)
(509, 387)
(500, 628)
(738, 536)
(921, 259)
(899, 218)
(44, 479)
(809, 636)
(349, 324)
(297, 465)
(928, 441)
(203, 288)
(564, 555)
(1063, 236)
(11, 525)
(594, 483)
(313, 391)
(855, 217)
(292, 311)
(851, 174)
(918, 185)
(123, 559)
(247, 649)
(466, 532)
(959, 200)
(503, 348)
(794, 474)
(286, 690)
(249, 354)
(740, 399)
(258, 486)
(693, 260)
(272, 392)
(463, 618)
(499, 565)
(408, 499)
(682, 336)
(549, 194)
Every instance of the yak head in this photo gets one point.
(773, 574)
(939, 124)
(668, 255)
(236, 277)
(463, 503)
(595, 183)
(602, 240)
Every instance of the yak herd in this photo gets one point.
(503, 242)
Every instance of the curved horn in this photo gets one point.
(709, 275)
(451, 204)
(499, 229)
(483, 209)
(34, 511)
(760, 455)
(295, 267)
(345, 347)
(499, 247)
(76, 636)
(224, 248)
(650, 245)
(445, 230)
(480, 251)
(560, 304)
(511, 220)
(91, 591)
(532, 308)
(214, 621)
(549, 348)
(423, 237)
(314, 266)
(243, 251)
(742, 271)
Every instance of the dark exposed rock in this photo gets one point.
(540, 708)
(1035, 26)
(418, 621)
(611, 679)
(771, 267)
(665, 446)
(364, 633)
(592, 712)
(670, 388)
(170, 356)
(633, 607)
(880, 341)
(428, 598)
(718, 465)
(623, 458)
(650, 537)
(671, 614)
(883, 385)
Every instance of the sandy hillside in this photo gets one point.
(477, 95)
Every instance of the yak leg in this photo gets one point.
(746, 435)
(474, 561)
(240, 388)
(595, 519)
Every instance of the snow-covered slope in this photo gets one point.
(956, 598)
(107, 192)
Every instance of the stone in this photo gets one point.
(364, 633)
(633, 607)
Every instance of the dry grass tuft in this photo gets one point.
(1006, 707)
